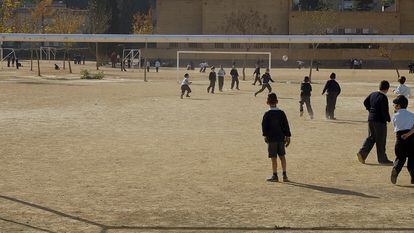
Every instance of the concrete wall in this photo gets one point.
(406, 8)
(215, 13)
(316, 22)
(179, 17)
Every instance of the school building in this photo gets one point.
(287, 17)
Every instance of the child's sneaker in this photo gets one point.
(394, 176)
(301, 114)
(273, 179)
(285, 179)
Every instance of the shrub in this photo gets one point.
(85, 74)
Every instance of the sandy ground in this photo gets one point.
(123, 155)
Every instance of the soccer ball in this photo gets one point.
(285, 58)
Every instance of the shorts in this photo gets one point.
(185, 88)
(276, 149)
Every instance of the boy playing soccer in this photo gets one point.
(275, 128)
(266, 82)
(185, 86)
(305, 95)
(212, 77)
(403, 121)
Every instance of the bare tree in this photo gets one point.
(248, 22)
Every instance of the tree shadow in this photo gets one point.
(330, 190)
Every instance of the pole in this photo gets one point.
(97, 55)
(178, 65)
(270, 61)
(145, 70)
(1, 54)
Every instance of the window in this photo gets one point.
(193, 45)
(258, 46)
(235, 46)
(173, 45)
(219, 45)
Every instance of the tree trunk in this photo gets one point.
(38, 63)
(64, 60)
(31, 57)
(70, 66)
(97, 56)
(394, 66)
(314, 47)
(145, 69)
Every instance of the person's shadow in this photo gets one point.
(336, 191)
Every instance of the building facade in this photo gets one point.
(290, 17)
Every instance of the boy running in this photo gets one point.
(276, 131)
(234, 77)
(403, 121)
(212, 77)
(266, 82)
(185, 86)
(402, 89)
(256, 74)
(305, 95)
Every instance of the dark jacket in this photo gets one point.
(377, 105)
(266, 78)
(257, 72)
(275, 126)
(212, 76)
(332, 88)
(305, 89)
(234, 73)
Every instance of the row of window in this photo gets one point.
(232, 46)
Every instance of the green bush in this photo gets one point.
(85, 74)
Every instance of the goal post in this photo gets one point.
(269, 54)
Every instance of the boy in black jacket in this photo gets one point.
(332, 90)
(275, 128)
(305, 94)
(266, 82)
(212, 77)
(234, 78)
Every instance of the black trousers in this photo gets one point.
(185, 88)
(264, 86)
(257, 79)
(404, 150)
(331, 105)
(235, 80)
(211, 86)
(377, 134)
(221, 83)
(306, 100)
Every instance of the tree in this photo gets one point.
(248, 22)
(99, 20)
(142, 23)
(7, 11)
(318, 23)
(66, 22)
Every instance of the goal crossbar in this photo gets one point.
(281, 39)
(269, 54)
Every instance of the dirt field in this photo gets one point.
(123, 155)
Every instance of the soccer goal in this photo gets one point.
(48, 53)
(132, 55)
(9, 53)
(179, 53)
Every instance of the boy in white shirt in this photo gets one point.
(185, 86)
(403, 121)
(402, 89)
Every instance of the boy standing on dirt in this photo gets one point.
(185, 86)
(212, 78)
(305, 95)
(266, 82)
(403, 121)
(276, 131)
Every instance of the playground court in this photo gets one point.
(123, 155)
